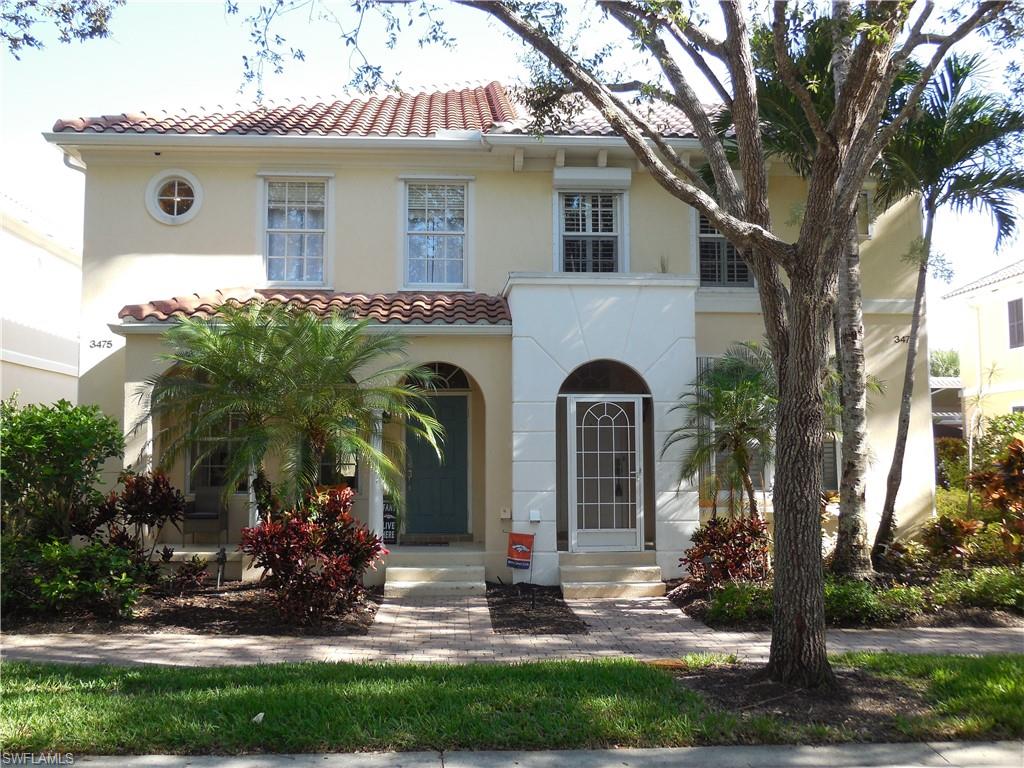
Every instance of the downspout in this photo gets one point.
(71, 163)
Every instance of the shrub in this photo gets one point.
(859, 603)
(998, 587)
(740, 602)
(56, 578)
(948, 539)
(188, 576)
(728, 550)
(988, 547)
(1002, 488)
(314, 557)
(997, 435)
(951, 503)
(905, 556)
(146, 503)
(951, 463)
(50, 460)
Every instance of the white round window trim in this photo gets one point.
(174, 190)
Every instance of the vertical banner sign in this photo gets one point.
(390, 523)
(520, 550)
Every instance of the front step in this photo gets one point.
(581, 590)
(610, 574)
(426, 581)
(617, 573)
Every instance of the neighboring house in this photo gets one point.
(992, 343)
(38, 342)
(947, 405)
(564, 296)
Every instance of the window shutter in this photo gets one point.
(1015, 310)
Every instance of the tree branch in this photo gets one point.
(689, 103)
(984, 14)
(742, 233)
(787, 69)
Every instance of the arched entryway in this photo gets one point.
(604, 447)
(440, 493)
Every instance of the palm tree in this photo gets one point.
(730, 420)
(953, 153)
(731, 410)
(273, 381)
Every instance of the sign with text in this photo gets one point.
(390, 535)
(520, 550)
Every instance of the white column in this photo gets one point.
(376, 489)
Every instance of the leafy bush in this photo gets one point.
(146, 503)
(989, 547)
(188, 576)
(906, 556)
(951, 503)
(50, 460)
(739, 602)
(314, 557)
(728, 550)
(56, 578)
(998, 432)
(998, 587)
(1002, 488)
(948, 539)
(860, 603)
(951, 463)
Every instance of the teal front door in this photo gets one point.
(436, 492)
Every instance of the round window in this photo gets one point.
(174, 197)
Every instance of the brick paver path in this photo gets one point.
(458, 630)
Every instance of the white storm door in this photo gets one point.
(605, 472)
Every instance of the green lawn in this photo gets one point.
(333, 707)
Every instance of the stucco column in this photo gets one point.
(376, 489)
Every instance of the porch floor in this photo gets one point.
(458, 630)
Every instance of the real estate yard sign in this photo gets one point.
(520, 550)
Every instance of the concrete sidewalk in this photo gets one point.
(1004, 754)
(458, 631)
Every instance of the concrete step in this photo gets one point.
(433, 588)
(646, 557)
(627, 589)
(435, 557)
(574, 573)
(445, 573)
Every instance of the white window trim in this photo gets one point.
(695, 262)
(190, 492)
(468, 236)
(329, 228)
(622, 211)
(153, 188)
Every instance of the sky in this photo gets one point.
(168, 55)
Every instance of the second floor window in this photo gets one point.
(296, 227)
(1015, 309)
(435, 235)
(590, 231)
(720, 262)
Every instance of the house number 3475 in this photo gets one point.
(101, 344)
(901, 339)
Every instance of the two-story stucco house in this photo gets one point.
(563, 295)
(992, 343)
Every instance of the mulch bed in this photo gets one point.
(234, 609)
(530, 609)
(865, 706)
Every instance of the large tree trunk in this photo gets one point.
(851, 557)
(798, 654)
(887, 526)
(852, 554)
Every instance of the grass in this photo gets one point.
(972, 697)
(350, 707)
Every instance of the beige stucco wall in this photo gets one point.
(131, 258)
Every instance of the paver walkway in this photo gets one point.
(458, 630)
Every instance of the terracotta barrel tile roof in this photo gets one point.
(404, 307)
(396, 114)
(486, 108)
